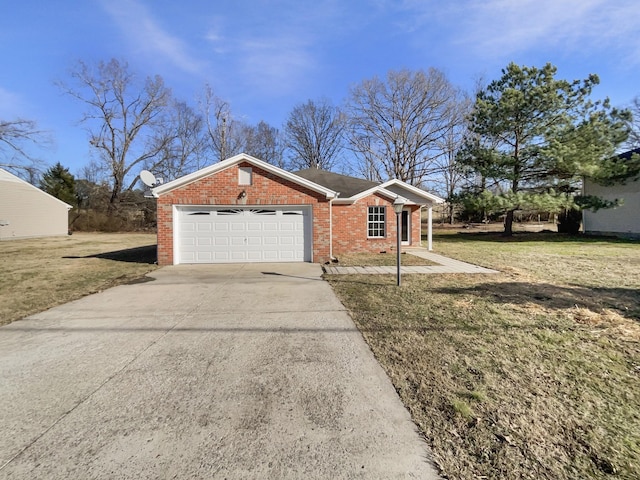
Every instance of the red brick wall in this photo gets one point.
(350, 227)
(222, 188)
(416, 219)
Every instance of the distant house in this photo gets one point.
(622, 221)
(245, 210)
(27, 211)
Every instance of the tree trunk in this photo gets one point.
(508, 224)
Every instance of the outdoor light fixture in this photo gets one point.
(398, 205)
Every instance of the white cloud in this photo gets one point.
(139, 25)
(278, 46)
(276, 64)
(498, 28)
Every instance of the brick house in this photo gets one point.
(245, 210)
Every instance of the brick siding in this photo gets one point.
(350, 227)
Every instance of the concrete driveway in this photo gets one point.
(237, 371)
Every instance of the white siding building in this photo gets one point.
(26, 211)
(622, 221)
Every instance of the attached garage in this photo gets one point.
(243, 209)
(234, 234)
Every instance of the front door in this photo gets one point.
(405, 236)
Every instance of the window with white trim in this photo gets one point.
(376, 222)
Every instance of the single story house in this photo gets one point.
(26, 211)
(245, 210)
(621, 221)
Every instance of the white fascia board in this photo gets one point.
(229, 162)
(371, 191)
(415, 190)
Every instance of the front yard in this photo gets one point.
(41, 273)
(531, 373)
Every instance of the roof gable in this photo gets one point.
(10, 178)
(351, 189)
(412, 193)
(235, 160)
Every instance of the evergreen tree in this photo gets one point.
(57, 181)
(534, 137)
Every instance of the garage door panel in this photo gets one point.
(254, 241)
(188, 257)
(236, 241)
(286, 241)
(255, 256)
(188, 242)
(204, 257)
(287, 227)
(237, 256)
(204, 241)
(247, 234)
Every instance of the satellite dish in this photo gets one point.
(148, 178)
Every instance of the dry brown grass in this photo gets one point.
(41, 273)
(380, 260)
(533, 373)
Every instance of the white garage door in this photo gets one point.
(248, 234)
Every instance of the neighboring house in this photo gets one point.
(245, 210)
(26, 211)
(622, 221)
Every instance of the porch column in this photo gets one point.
(430, 229)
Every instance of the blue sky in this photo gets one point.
(264, 57)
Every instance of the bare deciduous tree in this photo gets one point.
(264, 142)
(314, 135)
(634, 126)
(449, 176)
(185, 152)
(396, 124)
(123, 119)
(15, 138)
(226, 134)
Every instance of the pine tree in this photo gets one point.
(57, 181)
(534, 138)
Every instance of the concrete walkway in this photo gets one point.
(243, 371)
(445, 265)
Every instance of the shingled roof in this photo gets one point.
(346, 185)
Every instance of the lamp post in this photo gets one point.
(398, 205)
